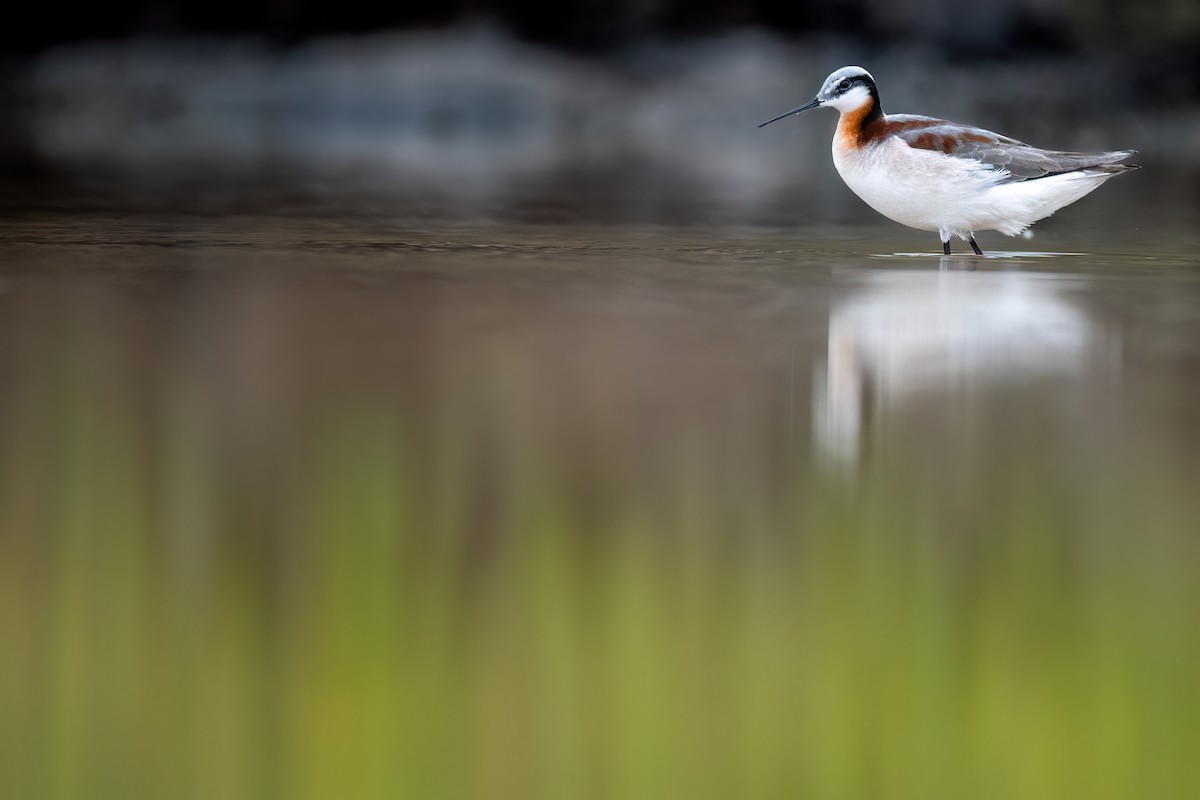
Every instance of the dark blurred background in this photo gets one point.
(631, 111)
(989, 28)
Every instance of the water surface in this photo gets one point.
(342, 506)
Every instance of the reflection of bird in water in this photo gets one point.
(920, 331)
(941, 176)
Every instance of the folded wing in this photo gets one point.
(1020, 161)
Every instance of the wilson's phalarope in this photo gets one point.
(941, 176)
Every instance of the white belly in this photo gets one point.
(919, 188)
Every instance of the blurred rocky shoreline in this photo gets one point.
(468, 120)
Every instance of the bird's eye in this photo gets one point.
(844, 85)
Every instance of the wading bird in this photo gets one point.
(941, 176)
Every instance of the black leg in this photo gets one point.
(975, 246)
(946, 248)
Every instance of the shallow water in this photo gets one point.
(321, 505)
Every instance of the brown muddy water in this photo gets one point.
(318, 506)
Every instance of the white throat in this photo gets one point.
(851, 100)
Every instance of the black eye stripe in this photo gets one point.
(846, 84)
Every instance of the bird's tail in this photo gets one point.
(1107, 162)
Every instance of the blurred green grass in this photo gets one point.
(354, 636)
(439, 587)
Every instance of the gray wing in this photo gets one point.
(1021, 161)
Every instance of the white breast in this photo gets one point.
(923, 189)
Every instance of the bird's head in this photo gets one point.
(847, 89)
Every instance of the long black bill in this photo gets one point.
(810, 104)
